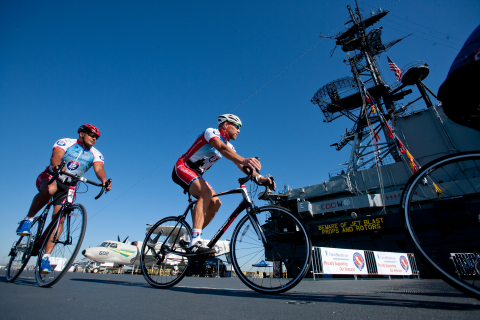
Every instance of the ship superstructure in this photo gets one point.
(358, 208)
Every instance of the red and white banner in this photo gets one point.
(392, 263)
(343, 261)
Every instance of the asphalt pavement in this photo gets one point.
(109, 296)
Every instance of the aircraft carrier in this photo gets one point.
(358, 207)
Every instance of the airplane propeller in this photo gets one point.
(124, 241)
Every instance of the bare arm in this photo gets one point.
(56, 158)
(101, 175)
(231, 155)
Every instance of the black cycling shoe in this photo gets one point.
(183, 243)
(199, 248)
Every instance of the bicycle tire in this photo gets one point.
(157, 270)
(63, 254)
(440, 212)
(279, 268)
(21, 252)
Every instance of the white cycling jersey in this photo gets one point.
(78, 158)
(201, 155)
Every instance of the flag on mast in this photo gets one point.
(394, 68)
(369, 99)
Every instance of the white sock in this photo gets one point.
(196, 236)
(29, 218)
(46, 255)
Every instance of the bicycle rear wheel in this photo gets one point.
(21, 252)
(280, 265)
(161, 269)
(441, 213)
(66, 248)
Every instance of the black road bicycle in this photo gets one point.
(67, 227)
(270, 249)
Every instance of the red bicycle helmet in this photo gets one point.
(89, 128)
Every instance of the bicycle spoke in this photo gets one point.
(20, 253)
(285, 262)
(160, 268)
(66, 248)
(442, 215)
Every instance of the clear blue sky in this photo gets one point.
(152, 75)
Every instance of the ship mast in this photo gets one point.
(336, 100)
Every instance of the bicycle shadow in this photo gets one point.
(22, 281)
(383, 298)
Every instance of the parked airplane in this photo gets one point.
(124, 253)
(117, 252)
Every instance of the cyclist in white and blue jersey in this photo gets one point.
(79, 155)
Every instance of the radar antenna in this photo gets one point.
(353, 96)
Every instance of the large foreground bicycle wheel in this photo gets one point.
(441, 213)
(281, 264)
(20, 253)
(161, 269)
(66, 248)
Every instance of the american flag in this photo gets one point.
(394, 68)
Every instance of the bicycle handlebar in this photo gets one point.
(79, 178)
(57, 172)
(249, 177)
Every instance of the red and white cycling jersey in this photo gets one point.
(201, 155)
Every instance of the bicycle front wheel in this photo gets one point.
(67, 245)
(279, 265)
(441, 213)
(21, 252)
(160, 268)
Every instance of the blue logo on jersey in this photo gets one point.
(101, 158)
(60, 143)
(72, 165)
(213, 158)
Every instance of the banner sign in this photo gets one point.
(349, 226)
(392, 263)
(343, 261)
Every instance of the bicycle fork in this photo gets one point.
(64, 213)
(252, 215)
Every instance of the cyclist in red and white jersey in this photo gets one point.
(79, 155)
(210, 146)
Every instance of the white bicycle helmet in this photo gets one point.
(230, 118)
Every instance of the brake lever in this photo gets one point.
(57, 173)
(104, 188)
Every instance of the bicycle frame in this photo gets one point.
(245, 204)
(55, 219)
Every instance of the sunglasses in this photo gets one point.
(91, 135)
(236, 125)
